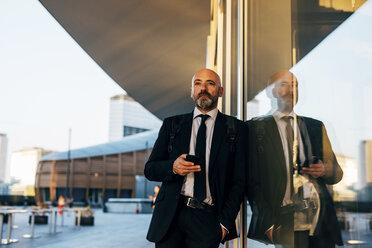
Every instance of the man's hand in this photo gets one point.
(183, 167)
(224, 232)
(315, 170)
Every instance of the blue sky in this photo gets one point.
(48, 84)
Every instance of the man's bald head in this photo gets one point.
(285, 90)
(282, 75)
(207, 72)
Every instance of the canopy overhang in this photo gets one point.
(151, 48)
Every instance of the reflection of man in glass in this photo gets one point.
(291, 162)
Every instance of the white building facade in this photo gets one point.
(23, 166)
(128, 117)
(3, 157)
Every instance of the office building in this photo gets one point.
(23, 166)
(128, 117)
(3, 157)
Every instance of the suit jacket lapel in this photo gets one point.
(273, 132)
(218, 135)
(185, 133)
(305, 135)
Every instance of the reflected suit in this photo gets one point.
(268, 178)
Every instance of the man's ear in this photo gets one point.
(220, 92)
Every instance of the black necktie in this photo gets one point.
(199, 177)
(289, 137)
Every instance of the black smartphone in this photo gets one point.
(193, 158)
(315, 159)
(307, 162)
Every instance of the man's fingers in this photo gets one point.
(184, 170)
(189, 168)
(312, 171)
(316, 166)
(183, 156)
(312, 168)
(183, 163)
(188, 163)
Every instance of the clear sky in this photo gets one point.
(48, 84)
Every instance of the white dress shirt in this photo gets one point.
(301, 222)
(188, 185)
(281, 127)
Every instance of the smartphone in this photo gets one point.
(307, 162)
(193, 158)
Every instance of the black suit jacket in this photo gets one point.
(226, 175)
(268, 178)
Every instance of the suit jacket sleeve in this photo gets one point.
(262, 214)
(159, 166)
(334, 172)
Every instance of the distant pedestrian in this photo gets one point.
(61, 203)
(153, 198)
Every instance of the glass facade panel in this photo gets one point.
(310, 175)
(310, 60)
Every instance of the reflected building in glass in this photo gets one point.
(366, 171)
(326, 46)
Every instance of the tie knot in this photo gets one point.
(287, 118)
(203, 117)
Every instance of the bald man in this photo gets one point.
(290, 202)
(200, 194)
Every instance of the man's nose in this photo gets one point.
(203, 86)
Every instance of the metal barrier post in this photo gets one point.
(55, 221)
(10, 223)
(50, 221)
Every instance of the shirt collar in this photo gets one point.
(279, 115)
(213, 113)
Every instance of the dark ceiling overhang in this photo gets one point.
(151, 48)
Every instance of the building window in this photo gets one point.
(133, 130)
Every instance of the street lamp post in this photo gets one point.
(67, 189)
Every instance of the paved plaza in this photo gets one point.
(123, 230)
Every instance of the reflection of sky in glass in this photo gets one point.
(335, 83)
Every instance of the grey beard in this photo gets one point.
(205, 103)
